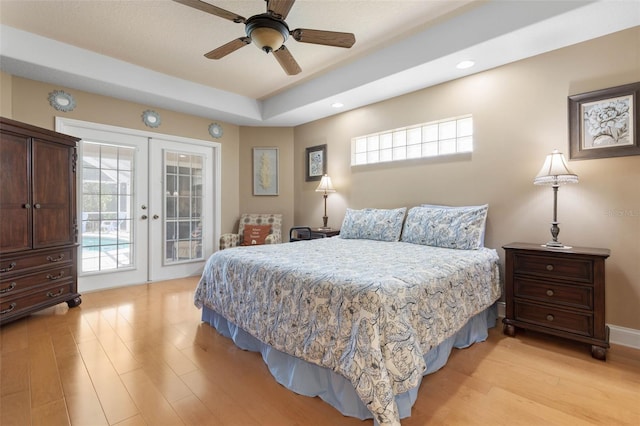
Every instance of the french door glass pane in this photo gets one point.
(107, 203)
(183, 206)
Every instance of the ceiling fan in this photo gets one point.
(269, 31)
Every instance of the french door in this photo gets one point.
(181, 208)
(148, 205)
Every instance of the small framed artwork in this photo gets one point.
(316, 162)
(265, 171)
(604, 123)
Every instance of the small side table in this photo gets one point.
(558, 292)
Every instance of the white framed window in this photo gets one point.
(443, 137)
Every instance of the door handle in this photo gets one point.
(144, 217)
(155, 216)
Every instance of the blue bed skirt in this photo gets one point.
(311, 380)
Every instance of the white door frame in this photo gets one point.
(68, 126)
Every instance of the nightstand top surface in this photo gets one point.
(592, 251)
(329, 232)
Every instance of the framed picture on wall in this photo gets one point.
(265, 171)
(316, 162)
(604, 123)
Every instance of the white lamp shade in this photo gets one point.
(325, 185)
(555, 171)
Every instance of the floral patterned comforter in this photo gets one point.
(368, 310)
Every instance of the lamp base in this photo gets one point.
(325, 219)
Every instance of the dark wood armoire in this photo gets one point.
(38, 226)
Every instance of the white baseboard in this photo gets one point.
(618, 335)
(624, 336)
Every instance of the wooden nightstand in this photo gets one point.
(298, 233)
(557, 291)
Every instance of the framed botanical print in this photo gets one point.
(604, 123)
(316, 162)
(265, 171)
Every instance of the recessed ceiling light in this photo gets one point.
(465, 64)
(337, 105)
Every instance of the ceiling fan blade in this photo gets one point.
(230, 47)
(328, 38)
(214, 10)
(286, 61)
(280, 8)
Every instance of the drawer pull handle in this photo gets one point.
(50, 294)
(55, 277)
(549, 317)
(8, 268)
(549, 267)
(9, 309)
(550, 293)
(8, 289)
(55, 259)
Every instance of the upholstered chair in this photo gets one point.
(275, 234)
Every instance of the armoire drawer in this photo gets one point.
(577, 296)
(41, 259)
(41, 296)
(558, 319)
(17, 284)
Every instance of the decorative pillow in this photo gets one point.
(255, 234)
(447, 227)
(373, 224)
(463, 207)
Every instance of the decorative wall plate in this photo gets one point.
(62, 101)
(215, 130)
(151, 118)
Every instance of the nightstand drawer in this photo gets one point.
(558, 319)
(576, 296)
(555, 267)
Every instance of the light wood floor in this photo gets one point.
(140, 356)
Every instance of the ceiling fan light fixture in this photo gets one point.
(266, 32)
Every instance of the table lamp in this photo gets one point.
(325, 187)
(555, 172)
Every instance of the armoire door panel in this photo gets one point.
(51, 196)
(15, 194)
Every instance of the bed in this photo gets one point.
(358, 319)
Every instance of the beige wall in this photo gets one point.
(30, 105)
(5, 95)
(520, 115)
(281, 138)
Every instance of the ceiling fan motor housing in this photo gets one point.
(267, 32)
